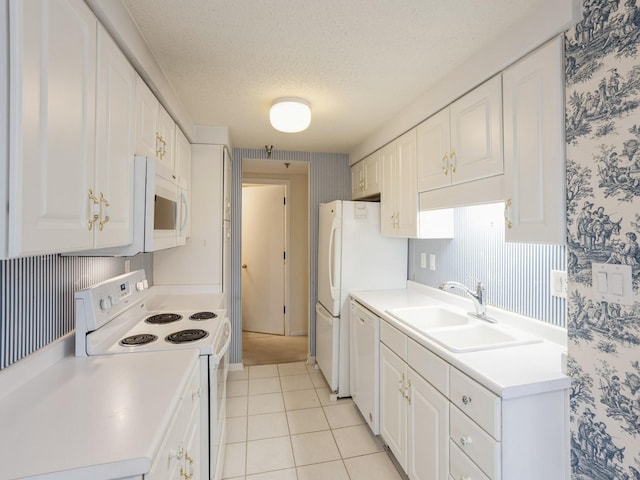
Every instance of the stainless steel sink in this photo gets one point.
(427, 318)
(479, 336)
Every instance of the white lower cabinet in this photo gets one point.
(414, 415)
(180, 455)
(443, 425)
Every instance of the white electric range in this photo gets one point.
(125, 315)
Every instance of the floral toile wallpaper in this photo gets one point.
(603, 222)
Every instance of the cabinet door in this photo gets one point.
(393, 404)
(407, 193)
(147, 110)
(428, 431)
(372, 174)
(476, 133)
(52, 126)
(534, 147)
(167, 147)
(432, 152)
(116, 83)
(388, 196)
(357, 180)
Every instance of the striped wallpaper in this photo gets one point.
(516, 275)
(329, 179)
(37, 297)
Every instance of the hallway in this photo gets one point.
(281, 425)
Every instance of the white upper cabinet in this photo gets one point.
(463, 142)
(399, 197)
(534, 179)
(52, 127)
(366, 177)
(147, 112)
(155, 131)
(116, 86)
(166, 143)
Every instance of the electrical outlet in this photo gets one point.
(423, 260)
(127, 266)
(432, 262)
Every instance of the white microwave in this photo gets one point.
(160, 212)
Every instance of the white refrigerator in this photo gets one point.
(352, 255)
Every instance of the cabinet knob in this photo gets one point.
(466, 441)
(466, 399)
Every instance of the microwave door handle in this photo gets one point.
(184, 206)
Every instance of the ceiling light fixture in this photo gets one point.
(290, 114)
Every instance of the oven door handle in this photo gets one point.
(220, 353)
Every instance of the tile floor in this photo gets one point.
(281, 425)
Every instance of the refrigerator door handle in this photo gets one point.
(332, 287)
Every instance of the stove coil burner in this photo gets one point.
(186, 336)
(140, 339)
(163, 318)
(203, 316)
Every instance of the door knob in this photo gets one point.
(244, 265)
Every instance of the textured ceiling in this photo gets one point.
(357, 62)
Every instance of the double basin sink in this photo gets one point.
(457, 331)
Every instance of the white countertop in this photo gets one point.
(98, 417)
(510, 371)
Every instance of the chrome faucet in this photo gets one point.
(477, 298)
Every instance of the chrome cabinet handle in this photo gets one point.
(408, 392)
(454, 162)
(466, 399)
(445, 163)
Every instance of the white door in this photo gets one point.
(116, 87)
(327, 345)
(428, 431)
(393, 404)
(52, 130)
(263, 262)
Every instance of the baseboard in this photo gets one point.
(311, 359)
(236, 366)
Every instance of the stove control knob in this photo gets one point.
(105, 303)
(114, 299)
(140, 286)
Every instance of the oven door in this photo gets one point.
(219, 368)
(161, 214)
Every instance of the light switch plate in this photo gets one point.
(612, 283)
(423, 260)
(558, 283)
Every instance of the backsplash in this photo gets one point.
(603, 220)
(516, 276)
(37, 293)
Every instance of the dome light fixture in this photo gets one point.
(290, 114)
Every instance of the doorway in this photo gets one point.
(292, 345)
(264, 253)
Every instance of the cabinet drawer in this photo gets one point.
(475, 442)
(431, 367)
(476, 401)
(461, 467)
(394, 339)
